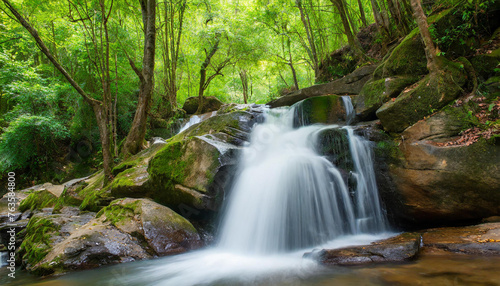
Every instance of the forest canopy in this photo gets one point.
(119, 67)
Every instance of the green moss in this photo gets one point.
(125, 165)
(67, 199)
(168, 168)
(37, 242)
(95, 195)
(431, 94)
(117, 212)
(318, 109)
(388, 151)
(38, 200)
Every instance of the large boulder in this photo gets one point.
(425, 182)
(377, 92)
(430, 94)
(348, 85)
(126, 230)
(210, 103)
(326, 109)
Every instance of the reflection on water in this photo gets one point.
(428, 270)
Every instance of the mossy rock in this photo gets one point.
(408, 57)
(164, 230)
(376, 92)
(485, 65)
(95, 195)
(432, 93)
(333, 144)
(236, 124)
(183, 172)
(126, 230)
(38, 200)
(39, 239)
(210, 103)
(326, 109)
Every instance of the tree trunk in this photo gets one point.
(362, 13)
(244, 84)
(135, 138)
(353, 43)
(311, 49)
(100, 108)
(423, 27)
(203, 75)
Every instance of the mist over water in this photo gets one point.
(287, 200)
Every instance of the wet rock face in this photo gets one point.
(397, 249)
(483, 239)
(126, 230)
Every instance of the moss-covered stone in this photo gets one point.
(210, 103)
(326, 109)
(95, 195)
(182, 171)
(38, 200)
(376, 92)
(432, 93)
(485, 64)
(333, 143)
(408, 57)
(38, 240)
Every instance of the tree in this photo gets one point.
(351, 38)
(173, 23)
(423, 27)
(101, 108)
(135, 138)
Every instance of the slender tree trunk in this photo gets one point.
(311, 48)
(244, 84)
(362, 13)
(134, 141)
(353, 43)
(99, 107)
(203, 75)
(423, 27)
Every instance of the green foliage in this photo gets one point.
(30, 141)
(463, 27)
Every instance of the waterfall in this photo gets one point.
(349, 109)
(195, 119)
(289, 197)
(296, 189)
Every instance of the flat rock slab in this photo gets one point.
(400, 248)
(477, 240)
(483, 239)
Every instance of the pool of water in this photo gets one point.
(428, 270)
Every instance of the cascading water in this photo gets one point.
(290, 197)
(287, 199)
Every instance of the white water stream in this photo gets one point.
(287, 200)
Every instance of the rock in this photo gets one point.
(441, 185)
(377, 92)
(432, 93)
(326, 109)
(397, 249)
(210, 103)
(350, 84)
(44, 231)
(126, 230)
(482, 239)
(38, 200)
(408, 57)
(187, 172)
